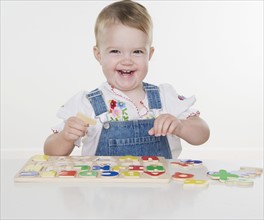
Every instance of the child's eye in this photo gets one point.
(138, 52)
(114, 51)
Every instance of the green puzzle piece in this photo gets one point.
(155, 168)
(83, 167)
(223, 175)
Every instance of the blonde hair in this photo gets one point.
(126, 12)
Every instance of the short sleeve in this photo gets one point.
(176, 104)
(77, 103)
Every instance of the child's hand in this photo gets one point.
(165, 124)
(74, 128)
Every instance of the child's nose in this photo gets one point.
(126, 60)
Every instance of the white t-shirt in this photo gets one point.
(121, 108)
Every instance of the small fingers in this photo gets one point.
(74, 128)
(163, 125)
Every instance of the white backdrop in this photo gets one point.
(210, 49)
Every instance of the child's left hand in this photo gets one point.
(165, 124)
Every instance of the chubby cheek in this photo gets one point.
(108, 70)
(143, 66)
(107, 63)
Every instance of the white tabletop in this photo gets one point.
(130, 200)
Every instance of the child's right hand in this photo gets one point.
(74, 128)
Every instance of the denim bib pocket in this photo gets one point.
(140, 146)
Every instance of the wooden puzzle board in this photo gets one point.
(43, 168)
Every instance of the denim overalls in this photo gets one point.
(119, 138)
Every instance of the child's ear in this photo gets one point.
(151, 51)
(97, 54)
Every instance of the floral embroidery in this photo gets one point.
(181, 97)
(118, 111)
(197, 113)
(112, 104)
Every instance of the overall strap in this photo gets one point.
(153, 95)
(97, 101)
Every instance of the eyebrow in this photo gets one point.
(136, 48)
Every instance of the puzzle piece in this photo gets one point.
(187, 164)
(136, 168)
(40, 158)
(32, 167)
(131, 174)
(239, 182)
(195, 183)
(256, 170)
(67, 173)
(155, 168)
(222, 175)
(109, 173)
(82, 167)
(244, 173)
(192, 162)
(96, 167)
(182, 176)
(29, 173)
(86, 119)
(118, 168)
(150, 159)
(182, 165)
(88, 174)
(128, 158)
(154, 174)
(51, 173)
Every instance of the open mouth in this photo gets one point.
(125, 72)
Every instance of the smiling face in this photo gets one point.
(124, 53)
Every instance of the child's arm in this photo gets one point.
(62, 143)
(194, 130)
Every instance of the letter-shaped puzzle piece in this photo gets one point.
(155, 168)
(195, 183)
(154, 174)
(96, 167)
(88, 174)
(82, 167)
(239, 182)
(194, 162)
(51, 173)
(86, 119)
(109, 173)
(131, 174)
(182, 165)
(222, 175)
(136, 168)
(29, 173)
(150, 158)
(182, 176)
(67, 173)
(40, 158)
(244, 174)
(118, 168)
(256, 170)
(32, 167)
(128, 158)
